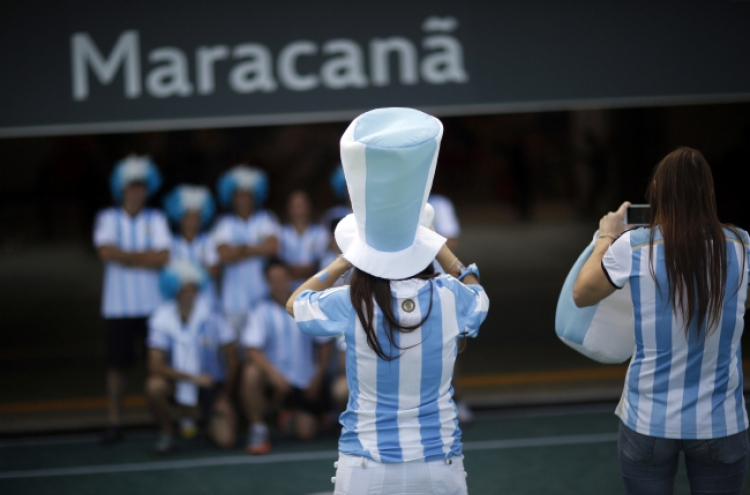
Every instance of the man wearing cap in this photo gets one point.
(133, 241)
(191, 357)
(245, 238)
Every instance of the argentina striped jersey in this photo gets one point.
(203, 335)
(131, 292)
(243, 282)
(678, 386)
(400, 410)
(271, 330)
(201, 251)
(302, 248)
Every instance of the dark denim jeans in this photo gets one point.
(648, 464)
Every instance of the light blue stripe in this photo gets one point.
(723, 361)
(393, 211)
(118, 282)
(635, 367)
(386, 410)
(691, 387)
(432, 372)
(660, 387)
(349, 443)
(739, 398)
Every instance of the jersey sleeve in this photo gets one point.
(618, 260)
(222, 233)
(158, 336)
(105, 229)
(255, 333)
(325, 314)
(472, 305)
(161, 235)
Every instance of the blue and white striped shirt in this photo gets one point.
(400, 410)
(303, 248)
(243, 282)
(201, 251)
(271, 330)
(204, 334)
(680, 387)
(131, 292)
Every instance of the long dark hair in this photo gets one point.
(683, 207)
(367, 290)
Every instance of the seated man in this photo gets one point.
(282, 360)
(192, 357)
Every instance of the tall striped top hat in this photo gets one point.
(389, 157)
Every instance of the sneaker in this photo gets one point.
(188, 428)
(465, 416)
(111, 435)
(258, 442)
(163, 444)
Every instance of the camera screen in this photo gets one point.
(639, 215)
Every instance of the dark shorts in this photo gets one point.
(296, 401)
(124, 337)
(207, 399)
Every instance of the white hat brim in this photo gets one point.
(390, 265)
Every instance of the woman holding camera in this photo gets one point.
(688, 277)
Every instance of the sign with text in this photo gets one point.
(135, 66)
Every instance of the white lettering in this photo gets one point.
(346, 70)
(380, 50)
(446, 65)
(85, 53)
(288, 66)
(205, 57)
(170, 79)
(255, 74)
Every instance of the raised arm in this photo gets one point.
(452, 266)
(592, 284)
(320, 281)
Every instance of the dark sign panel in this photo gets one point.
(96, 66)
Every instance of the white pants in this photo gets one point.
(361, 476)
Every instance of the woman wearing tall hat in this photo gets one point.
(401, 322)
(245, 238)
(191, 209)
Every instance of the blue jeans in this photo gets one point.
(649, 464)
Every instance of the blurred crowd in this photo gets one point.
(206, 294)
